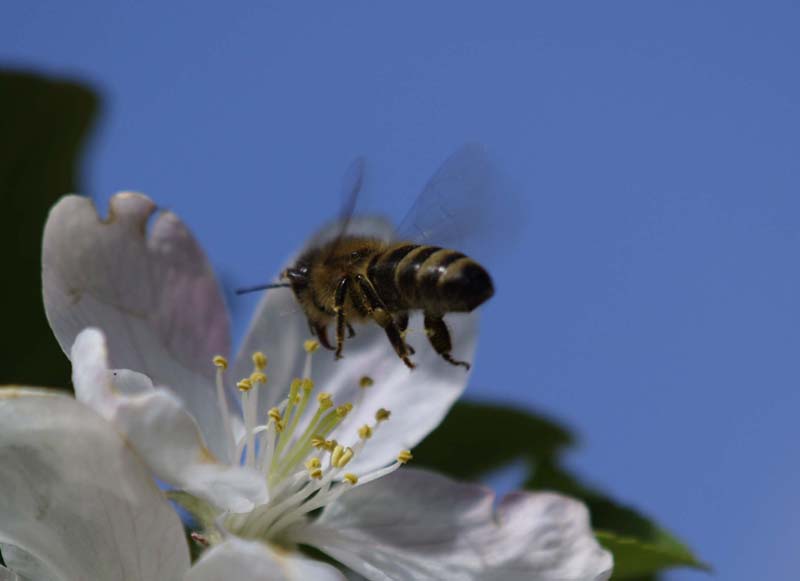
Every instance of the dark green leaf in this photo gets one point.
(634, 558)
(42, 129)
(476, 438)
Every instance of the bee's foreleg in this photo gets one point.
(339, 298)
(378, 311)
(321, 332)
(350, 331)
(439, 336)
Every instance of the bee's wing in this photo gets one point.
(464, 206)
(348, 223)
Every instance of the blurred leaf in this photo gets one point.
(635, 558)
(476, 438)
(43, 126)
(641, 548)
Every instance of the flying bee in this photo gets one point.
(345, 277)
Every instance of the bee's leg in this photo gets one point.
(321, 332)
(402, 322)
(350, 331)
(439, 336)
(378, 311)
(339, 298)
(402, 325)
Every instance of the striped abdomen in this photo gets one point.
(437, 280)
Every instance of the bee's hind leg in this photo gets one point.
(350, 331)
(439, 336)
(402, 326)
(380, 314)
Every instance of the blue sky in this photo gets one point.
(652, 300)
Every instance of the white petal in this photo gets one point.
(25, 566)
(76, 498)
(418, 399)
(149, 287)
(419, 525)
(249, 560)
(161, 430)
(169, 441)
(130, 382)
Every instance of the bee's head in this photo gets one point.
(298, 277)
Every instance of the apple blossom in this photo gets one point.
(308, 453)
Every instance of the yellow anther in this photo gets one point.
(294, 387)
(343, 410)
(311, 345)
(382, 415)
(221, 362)
(345, 457)
(318, 442)
(350, 478)
(275, 415)
(258, 377)
(259, 360)
(336, 454)
(365, 432)
(315, 474)
(330, 445)
(325, 400)
(366, 381)
(404, 457)
(313, 462)
(308, 384)
(245, 385)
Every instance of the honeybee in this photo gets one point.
(346, 277)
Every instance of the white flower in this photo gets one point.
(77, 504)
(301, 448)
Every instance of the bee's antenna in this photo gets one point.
(250, 289)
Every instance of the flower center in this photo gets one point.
(302, 464)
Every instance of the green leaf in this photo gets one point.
(476, 438)
(641, 548)
(634, 558)
(42, 129)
